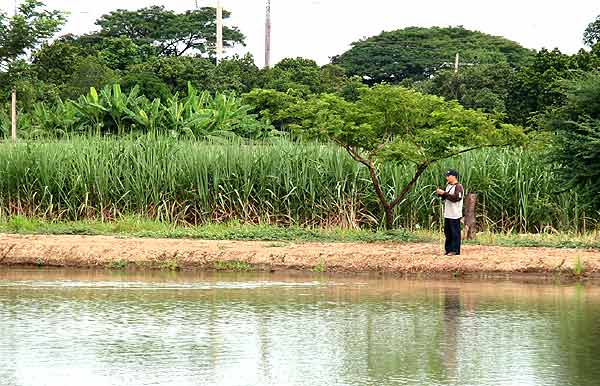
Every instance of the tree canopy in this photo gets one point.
(30, 27)
(399, 125)
(591, 36)
(171, 33)
(417, 52)
(576, 125)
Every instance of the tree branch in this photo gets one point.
(372, 172)
(420, 169)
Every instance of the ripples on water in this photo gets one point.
(87, 328)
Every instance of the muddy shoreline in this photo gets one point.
(112, 252)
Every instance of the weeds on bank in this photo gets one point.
(579, 268)
(321, 267)
(170, 265)
(118, 264)
(238, 266)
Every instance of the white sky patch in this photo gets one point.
(320, 29)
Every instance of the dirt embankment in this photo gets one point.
(116, 252)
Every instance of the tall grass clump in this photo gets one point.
(278, 182)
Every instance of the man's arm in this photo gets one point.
(457, 195)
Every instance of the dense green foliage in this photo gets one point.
(172, 34)
(591, 36)
(402, 126)
(111, 111)
(483, 87)
(30, 26)
(416, 52)
(280, 183)
(152, 73)
(577, 128)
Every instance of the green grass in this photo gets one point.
(281, 236)
(140, 227)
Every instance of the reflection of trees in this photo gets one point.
(409, 334)
(578, 332)
(403, 340)
(8, 340)
(451, 324)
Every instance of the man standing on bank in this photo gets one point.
(453, 208)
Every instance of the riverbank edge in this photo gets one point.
(127, 253)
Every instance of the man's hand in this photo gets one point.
(440, 192)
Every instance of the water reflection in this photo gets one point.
(451, 321)
(99, 328)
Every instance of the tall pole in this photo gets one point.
(219, 32)
(456, 63)
(268, 36)
(13, 105)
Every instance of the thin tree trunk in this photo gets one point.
(387, 206)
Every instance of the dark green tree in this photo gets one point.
(483, 87)
(541, 85)
(149, 85)
(294, 74)
(591, 36)
(576, 126)
(237, 74)
(418, 53)
(305, 76)
(55, 63)
(91, 72)
(176, 72)
(173, 34)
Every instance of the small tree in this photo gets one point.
(30, 27)
(399, 125)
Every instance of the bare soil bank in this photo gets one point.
(410, 258)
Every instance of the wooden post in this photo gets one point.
(470, 225)
(14, 115)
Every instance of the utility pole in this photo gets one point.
(13, 105)
(268, 36)
(196, 4)
(219, 32)
(456, 62)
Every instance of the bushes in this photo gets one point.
(111, 111)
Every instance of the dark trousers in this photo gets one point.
(452, 232)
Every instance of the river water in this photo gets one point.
(60, 327)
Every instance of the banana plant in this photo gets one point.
(119, 105)
(55, 120)
(148, 115)
(92, 113)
